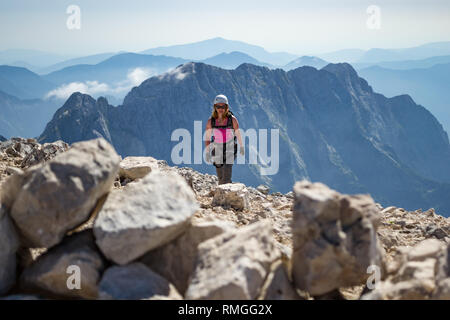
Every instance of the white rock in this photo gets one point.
(137, 167)
(176, 260)
(234, 195)
(334, 238)
(425, 249)
(52, 198)
(234, 264)
(147, 214)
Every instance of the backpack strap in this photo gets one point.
(230, 122)
(228, 125)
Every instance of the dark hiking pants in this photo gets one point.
(224, 173)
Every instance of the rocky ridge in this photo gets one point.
(146, 230)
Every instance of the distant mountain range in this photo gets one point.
(207, 48)
(405, 64)
(91, 59)
(113, 75)
(25, 118)
(305, 61)
(232, 60)
(113, 69)
(429, 87)
(44, 62)
(23, 83)
(31, 59)
(333, 128)
(375, 55)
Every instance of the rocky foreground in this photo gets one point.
(80, 222)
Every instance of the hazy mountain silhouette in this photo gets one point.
(23, 83)
(31, 57)
(25, 118)
(429, 87)
(113, 69)
(90, 59)
(207, 48)
(405, 64)
(305, 61)
(232, 60)
(375, 55)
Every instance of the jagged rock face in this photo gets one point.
(81, 117)
(145, 215)
(48, 200)
(333, 128)
(334, 238)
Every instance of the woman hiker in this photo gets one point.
(220, 140)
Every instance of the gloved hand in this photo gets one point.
(242, 150)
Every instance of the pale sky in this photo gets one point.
(295, 26)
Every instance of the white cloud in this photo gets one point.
(138, 75)
(88, 87)
(176, 73)
(94, 88)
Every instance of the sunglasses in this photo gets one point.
(220, 107)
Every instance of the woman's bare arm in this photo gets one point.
(208, 133)
(237, 130)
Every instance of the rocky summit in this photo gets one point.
(80, 222)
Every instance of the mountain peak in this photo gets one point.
(340, 68)
(348, 76)
(78, 97)
(251, 66)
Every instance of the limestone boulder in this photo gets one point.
(334, 238)
(51, 198)
(147, 214)
(263, 189)
(234, 264)
(54, 272)
(137, 167)
(176, 260)
(231, 195)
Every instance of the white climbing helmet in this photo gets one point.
(221, 98)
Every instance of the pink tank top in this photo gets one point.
(222, 135)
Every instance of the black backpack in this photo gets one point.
(229, 125)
